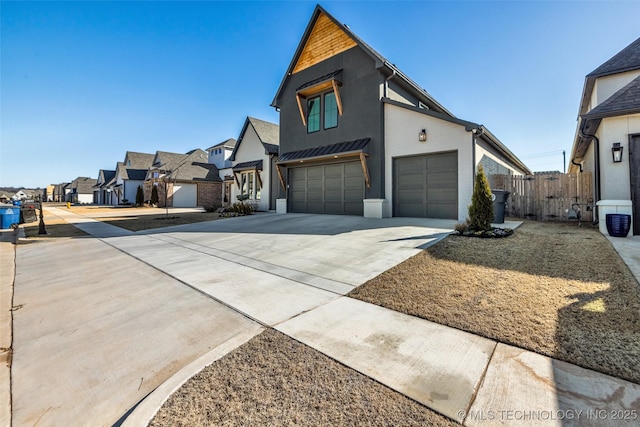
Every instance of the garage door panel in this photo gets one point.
(426, 186)
(332, 189)
(185, 195)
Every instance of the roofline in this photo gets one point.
(380, 61)
(617, 113)
(469, 127)
(241, 136)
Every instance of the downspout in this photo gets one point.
(596, 154)
(386, 83)
(475, 133)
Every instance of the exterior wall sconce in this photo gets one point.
(422, 136)
(616, 152)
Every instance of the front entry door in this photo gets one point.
(634, 173)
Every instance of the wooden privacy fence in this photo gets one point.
(546, 197)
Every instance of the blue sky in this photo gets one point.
(83, 82)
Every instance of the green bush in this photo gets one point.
(481, 208)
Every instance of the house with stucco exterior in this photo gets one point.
(254, 164)
(607, 140)
(359, 137)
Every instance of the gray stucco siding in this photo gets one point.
(361, 118)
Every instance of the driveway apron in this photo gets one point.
(96, 330)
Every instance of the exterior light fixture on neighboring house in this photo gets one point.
(422, 136)
(616, 151)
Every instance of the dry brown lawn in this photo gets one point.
(134, 219)
(274, 380)
(552, 288)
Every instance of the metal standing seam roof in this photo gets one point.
(357, 145)
(320, 79)
(254, 164)
(271, 148)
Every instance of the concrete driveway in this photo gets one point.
(101, 323)
(96, 330)
(273, 267)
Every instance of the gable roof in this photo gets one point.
(83, 185)
(191, 167)
(380, 62)
(628, 59)
(268, 133)
(138, 160)
(228, 144)
(623, 102)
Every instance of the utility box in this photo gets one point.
(499, 205)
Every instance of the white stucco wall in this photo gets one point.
(131, 189)
(608, 85)
(401, 139)
(614, 177)
(251, 149)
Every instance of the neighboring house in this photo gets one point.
(188, 180)
(48, 193)
(102, 194)
(6, 197)
(254, 164)
(219, 154)
(81, 190)
(60, 192)
(129, 175)
(607, 140)
(359, 137)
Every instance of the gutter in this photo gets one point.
(596, 154)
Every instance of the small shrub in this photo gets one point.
(481, 208)
(460, 227)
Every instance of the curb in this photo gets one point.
(146, 409)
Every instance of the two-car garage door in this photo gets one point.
(426, 186)
(336, 188)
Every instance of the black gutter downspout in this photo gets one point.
(596, 154)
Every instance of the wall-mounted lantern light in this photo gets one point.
(422, 136)
(616, 152)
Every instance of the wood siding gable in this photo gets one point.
(325, 40)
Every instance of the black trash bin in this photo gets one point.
(499, 204)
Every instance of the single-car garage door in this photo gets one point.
(185, 195)
(426, 186)
(336, 188)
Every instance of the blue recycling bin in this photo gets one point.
(9, 215)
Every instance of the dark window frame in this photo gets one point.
(321, 97)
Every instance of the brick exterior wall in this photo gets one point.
(210, 194)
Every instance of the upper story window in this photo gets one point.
(322, 112)
(319, 102)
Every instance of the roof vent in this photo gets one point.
(423, 106)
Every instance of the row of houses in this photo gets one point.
(209, 178)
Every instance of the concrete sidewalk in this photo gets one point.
(468, 378)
